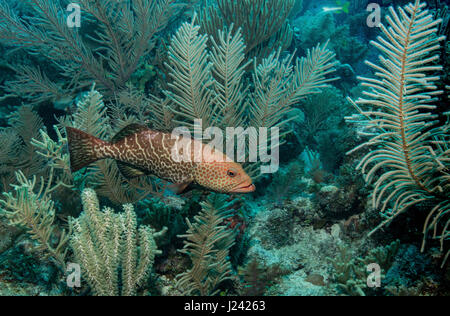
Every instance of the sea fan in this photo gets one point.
(407, 146)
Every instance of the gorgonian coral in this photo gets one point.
(407, 147)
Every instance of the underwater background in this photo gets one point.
(358, 90)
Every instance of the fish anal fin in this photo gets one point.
(127, 131)
(129, 172)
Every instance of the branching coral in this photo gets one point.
(124, 32)
(263, 22)
(351, 273)
(407, 148)
(314, 28)
(30, 206)
(207, 243)
(208, 86)
(190, 69)
(17, 151)
(258, 278)
(34, 168)
(442, 12)
(317, 108)
(279, 85)
(111, 249)
(287, 183)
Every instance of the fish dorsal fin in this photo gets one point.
(127, 131)
(129, 172)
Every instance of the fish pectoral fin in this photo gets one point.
(129, 172)
(179, 188)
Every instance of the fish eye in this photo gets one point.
(231, 173)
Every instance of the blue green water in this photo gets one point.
(334, 116)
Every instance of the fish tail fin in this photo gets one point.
(83, 148)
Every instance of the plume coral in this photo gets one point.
(407, 146)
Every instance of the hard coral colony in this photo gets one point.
(237, 148)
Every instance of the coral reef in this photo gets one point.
(311, 228)
(280, 239)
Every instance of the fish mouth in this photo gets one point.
(245, 188)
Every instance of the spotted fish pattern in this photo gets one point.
(141, 151)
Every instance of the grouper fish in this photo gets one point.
(141, 151)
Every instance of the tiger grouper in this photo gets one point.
(141, 151)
